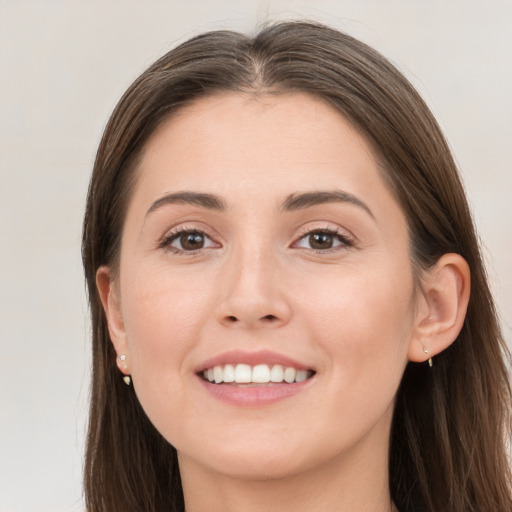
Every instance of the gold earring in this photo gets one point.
(430, 363)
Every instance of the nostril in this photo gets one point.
(232, 319)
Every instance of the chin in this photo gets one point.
(260, 460)
(258, 467)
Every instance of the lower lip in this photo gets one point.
(254, 396)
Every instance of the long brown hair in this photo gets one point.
(451, 422)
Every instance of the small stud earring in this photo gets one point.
(122, 357)
(430, 363)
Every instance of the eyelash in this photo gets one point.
(346, 241)
(176, 234)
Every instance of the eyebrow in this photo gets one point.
(293, 202)
(209, 201)
(308, 199)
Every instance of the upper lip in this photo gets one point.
(251, 358)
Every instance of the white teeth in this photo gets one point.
(259, 374)
(277, 373)
(243, 374)
(289, 375)
(229, 373)
(218, 374)
(301, 375)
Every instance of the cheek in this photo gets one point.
(361, 323)
(164, 315)
(164, 319)
(362, 318)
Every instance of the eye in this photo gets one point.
(323, 240)
(187, 240)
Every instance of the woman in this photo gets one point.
(288, 302)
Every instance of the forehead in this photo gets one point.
(241, 136)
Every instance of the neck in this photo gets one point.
(353, 484)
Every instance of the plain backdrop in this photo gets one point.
(63, 66)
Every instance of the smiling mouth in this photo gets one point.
(261, 374)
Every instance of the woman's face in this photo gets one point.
(262, 244)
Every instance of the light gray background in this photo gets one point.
(64, 64)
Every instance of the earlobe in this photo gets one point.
(109, 295)
(445, 297)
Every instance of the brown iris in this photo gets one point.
(191, 241)
(321, 240)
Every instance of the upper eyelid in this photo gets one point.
(307, 229)
(184, 228)
(328, 229)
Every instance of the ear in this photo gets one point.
(109, 294)
(442, 308)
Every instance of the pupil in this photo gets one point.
(192, 241)
(321, 240)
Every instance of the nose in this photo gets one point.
(253, 292)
